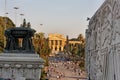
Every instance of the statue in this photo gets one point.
(14, 34)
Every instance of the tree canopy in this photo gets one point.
(77, 51)
(5, 23)
(41, 46)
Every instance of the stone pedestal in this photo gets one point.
(21, 66)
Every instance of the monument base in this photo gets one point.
(20, 66)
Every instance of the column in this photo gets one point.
(58, 45)
(62, 48)
(53, 45)
(54, 42)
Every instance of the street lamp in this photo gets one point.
(5, 22)
(5, 12)
(41, 24)
(16, 15)
(21, 17)
(6, 19)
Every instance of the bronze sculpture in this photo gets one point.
(14, 34)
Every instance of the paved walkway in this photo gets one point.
(65, 70)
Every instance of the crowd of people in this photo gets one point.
(64, 70)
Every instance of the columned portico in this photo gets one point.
(56, 42)
(56, 46)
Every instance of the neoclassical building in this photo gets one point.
(56, 42)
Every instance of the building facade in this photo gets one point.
(74, 42)
(102, 51)
(56, 42)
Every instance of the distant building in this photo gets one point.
(56, 42)
(73, 42)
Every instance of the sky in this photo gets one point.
(67, 17)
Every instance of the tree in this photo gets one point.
(28, 25)
(77, 51)
(9, 23)
(81, 38)
(24, 23)
(42, 48)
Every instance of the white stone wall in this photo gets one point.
(103, 43)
